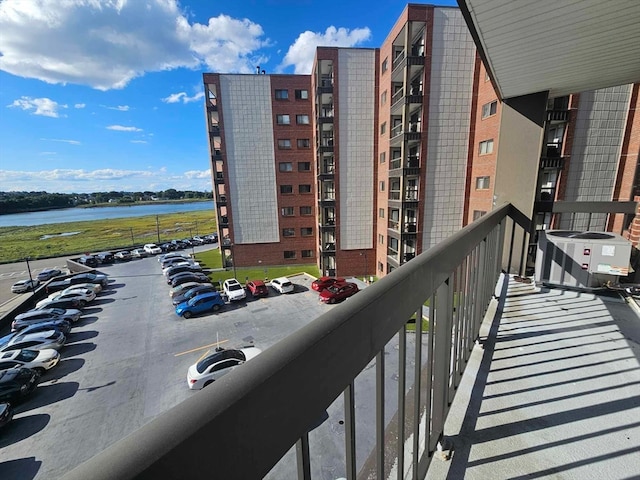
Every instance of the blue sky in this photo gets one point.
(100, 95)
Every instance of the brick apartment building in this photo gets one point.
(379, 154)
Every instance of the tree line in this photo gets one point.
(20, 202)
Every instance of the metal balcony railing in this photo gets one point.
(257, 413)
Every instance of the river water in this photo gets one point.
(100, 213)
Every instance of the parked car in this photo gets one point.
(60, 325)
(324, 282)
(83, 295)
(17, 383)
(48, 274)
(338, 292)
(179, 244)
(167, 247)
(25, 285)
(185, 277)
(192, 292)
(167, 256)
(66, 303)
(175, 261)
(197, 240)
(233, 290)
(32, 317)
(33, 341)
(89, 260)
(38, 360)
(89, 278)
(257, 288)
(204, 302)
(94, 287)
(214, 366)
(57, 285)
(6, 413)
(122, 256)
(212, 238)
(183, 287)
(175, 269)
(152, 249)
(105, 258)
(139, 253)
(282, 285)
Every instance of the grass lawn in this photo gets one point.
(411, 324)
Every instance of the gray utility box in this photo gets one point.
(581, 259)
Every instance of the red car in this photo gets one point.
(324, 282)
(338, 291)
(257, 288)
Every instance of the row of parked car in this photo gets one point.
(38, 334)
(334, 289)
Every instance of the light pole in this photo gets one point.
(132, 240)
(30, 277)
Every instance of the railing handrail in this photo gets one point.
(253, 416)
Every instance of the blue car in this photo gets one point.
(205, 302)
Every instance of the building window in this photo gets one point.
(381, 213)
(383, 128)
(284, 143)
(304, 166)
(381, 239)
(302, 94)
(482, 183)
(489, 109)
(306, 211)
(383, 157)
(306, 231)
(307, 253)
(380, 267)
(304, 188)
(477, 214)
(383, 98)
(283, 120)
(288, 232)
(282, 94)
(287, 211)
(289, 254)
(385, 64)
(304, 143)
(302, 119)
(486, 147)
(285, 189)
(382, 186)
(286, 166)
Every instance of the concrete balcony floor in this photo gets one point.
(554, 391)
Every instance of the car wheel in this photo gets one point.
(39, 370)
(216, 308)
(208, 383)
(81, 303)
(187, 314)
(332, 300)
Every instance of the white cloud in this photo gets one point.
(38, 106)
(120, 108)
(122, 128)
(139, 141)
(80, 105)
(182, 96)
(87, 181)
(106, 44)
(48, 153)
(70, 142)
(303, 50)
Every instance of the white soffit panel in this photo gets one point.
(563, 46)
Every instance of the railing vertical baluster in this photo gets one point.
(302, 457)
(428, 388)
(464, 309)
(474, 290)
(441, 361)
(513, 233)
(380, 413)
(589, 221)
(523, 255)
(350, 431)
(416, 393)
(402, 372)
(457, 317)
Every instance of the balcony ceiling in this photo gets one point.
(565, 46)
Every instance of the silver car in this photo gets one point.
(36, 316)
(33, 341)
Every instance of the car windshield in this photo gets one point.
(27, 355)
(235, 286)
(333, 288)
(286, 284)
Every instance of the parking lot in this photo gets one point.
(125, 363)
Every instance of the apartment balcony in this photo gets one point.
(326, 171)
(214, 130)
(327, 199)
(557, 115)
(410, 229)
(216, 155)
(218, 177)
(325, 85)
(515, 380)
(221, 200)
(556, 163)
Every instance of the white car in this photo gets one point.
(167, 256)
(152, 249)
(95, 287)
(33, 341)
(233, 290)
(38, 360)
(282, 285)
(139, 253)
(83, 296)
(24, 286)
(219, 363)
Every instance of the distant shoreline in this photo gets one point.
(113, 204)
